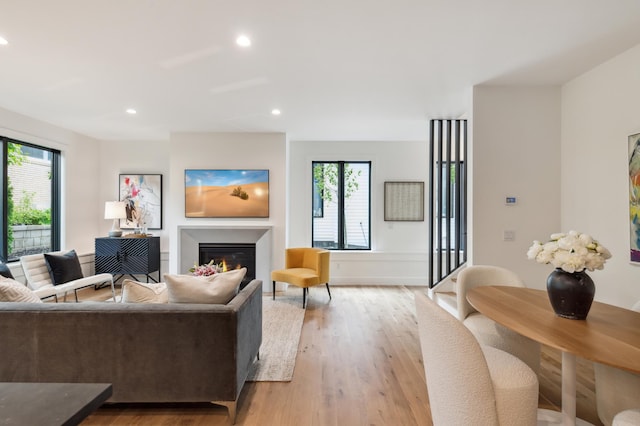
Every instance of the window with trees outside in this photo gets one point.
(30, 208)
(341, 206)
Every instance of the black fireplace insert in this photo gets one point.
(230, 256)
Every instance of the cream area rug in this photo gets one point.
(281, 327)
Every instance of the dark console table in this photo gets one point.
(128, 256)
(50, 404)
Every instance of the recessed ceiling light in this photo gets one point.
(276, 111)
(3, 41)
(243, 41)
(131, 111)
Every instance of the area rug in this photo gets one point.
(281, 327)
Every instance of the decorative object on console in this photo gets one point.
(142, 195)
(570, 289)
(115, 210)
(226, 193)
(218, 288)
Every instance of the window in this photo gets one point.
(450, 197)
(30, 209)
(341, 207)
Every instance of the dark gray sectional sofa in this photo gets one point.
(149, 352)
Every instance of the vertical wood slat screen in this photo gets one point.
(447, 197)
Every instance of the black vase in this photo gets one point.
(570, 293)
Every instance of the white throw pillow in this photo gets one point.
(217, 288)
(13, 291)
(139, 292)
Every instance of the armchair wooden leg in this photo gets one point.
(304, 297)
(327, 284)
(274, 290)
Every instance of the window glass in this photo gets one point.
(30, 209)
(341, 207)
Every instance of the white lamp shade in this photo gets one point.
(115, 210)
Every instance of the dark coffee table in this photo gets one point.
(52, 404)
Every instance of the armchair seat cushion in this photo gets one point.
(301, 277)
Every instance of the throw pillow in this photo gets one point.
(217, 288)
(13, 291)
(63, 267)
(139, 292)
(5, 271)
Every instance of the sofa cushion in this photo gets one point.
(63, 267)
(217, 288)
(13, 291)
(5, 271)
(139, 292)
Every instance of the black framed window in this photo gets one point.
(30, 209)
(341, 207)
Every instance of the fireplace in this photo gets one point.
(231, 256)
(191, 236)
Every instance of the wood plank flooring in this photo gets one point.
(359, 363)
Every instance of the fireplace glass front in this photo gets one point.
(231, 256)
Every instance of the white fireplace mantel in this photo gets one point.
(190, 236)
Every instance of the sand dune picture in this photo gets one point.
(226, 193)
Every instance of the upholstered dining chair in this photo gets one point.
(470, 384)
(616, 390)
(487, 331)
(304, 267)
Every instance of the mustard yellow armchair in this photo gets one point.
(304, 267)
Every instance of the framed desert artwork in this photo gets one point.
(226, 193)
(142, 195)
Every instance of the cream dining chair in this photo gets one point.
(470, 384)
(487, 331)
(616, 390)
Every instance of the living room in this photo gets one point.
(560, 146)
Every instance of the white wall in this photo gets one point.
(227, 151)
(81, 162)
(399, 249)
(599, 112)
(139, 157)
(515, 151)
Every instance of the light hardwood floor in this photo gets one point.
(359, 363)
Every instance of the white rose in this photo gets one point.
(585, 239)
(534, 250)
(556, 236)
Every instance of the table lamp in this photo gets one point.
(115, 210)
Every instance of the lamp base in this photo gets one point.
(117, 233)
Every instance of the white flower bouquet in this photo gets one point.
(571, 252)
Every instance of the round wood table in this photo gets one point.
(610, 335)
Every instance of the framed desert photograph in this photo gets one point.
(226, 193)
(142, 195)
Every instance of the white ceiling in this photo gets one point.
(338, 70)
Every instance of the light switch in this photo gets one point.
(509, 235)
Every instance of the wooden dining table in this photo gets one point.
(609, 335)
